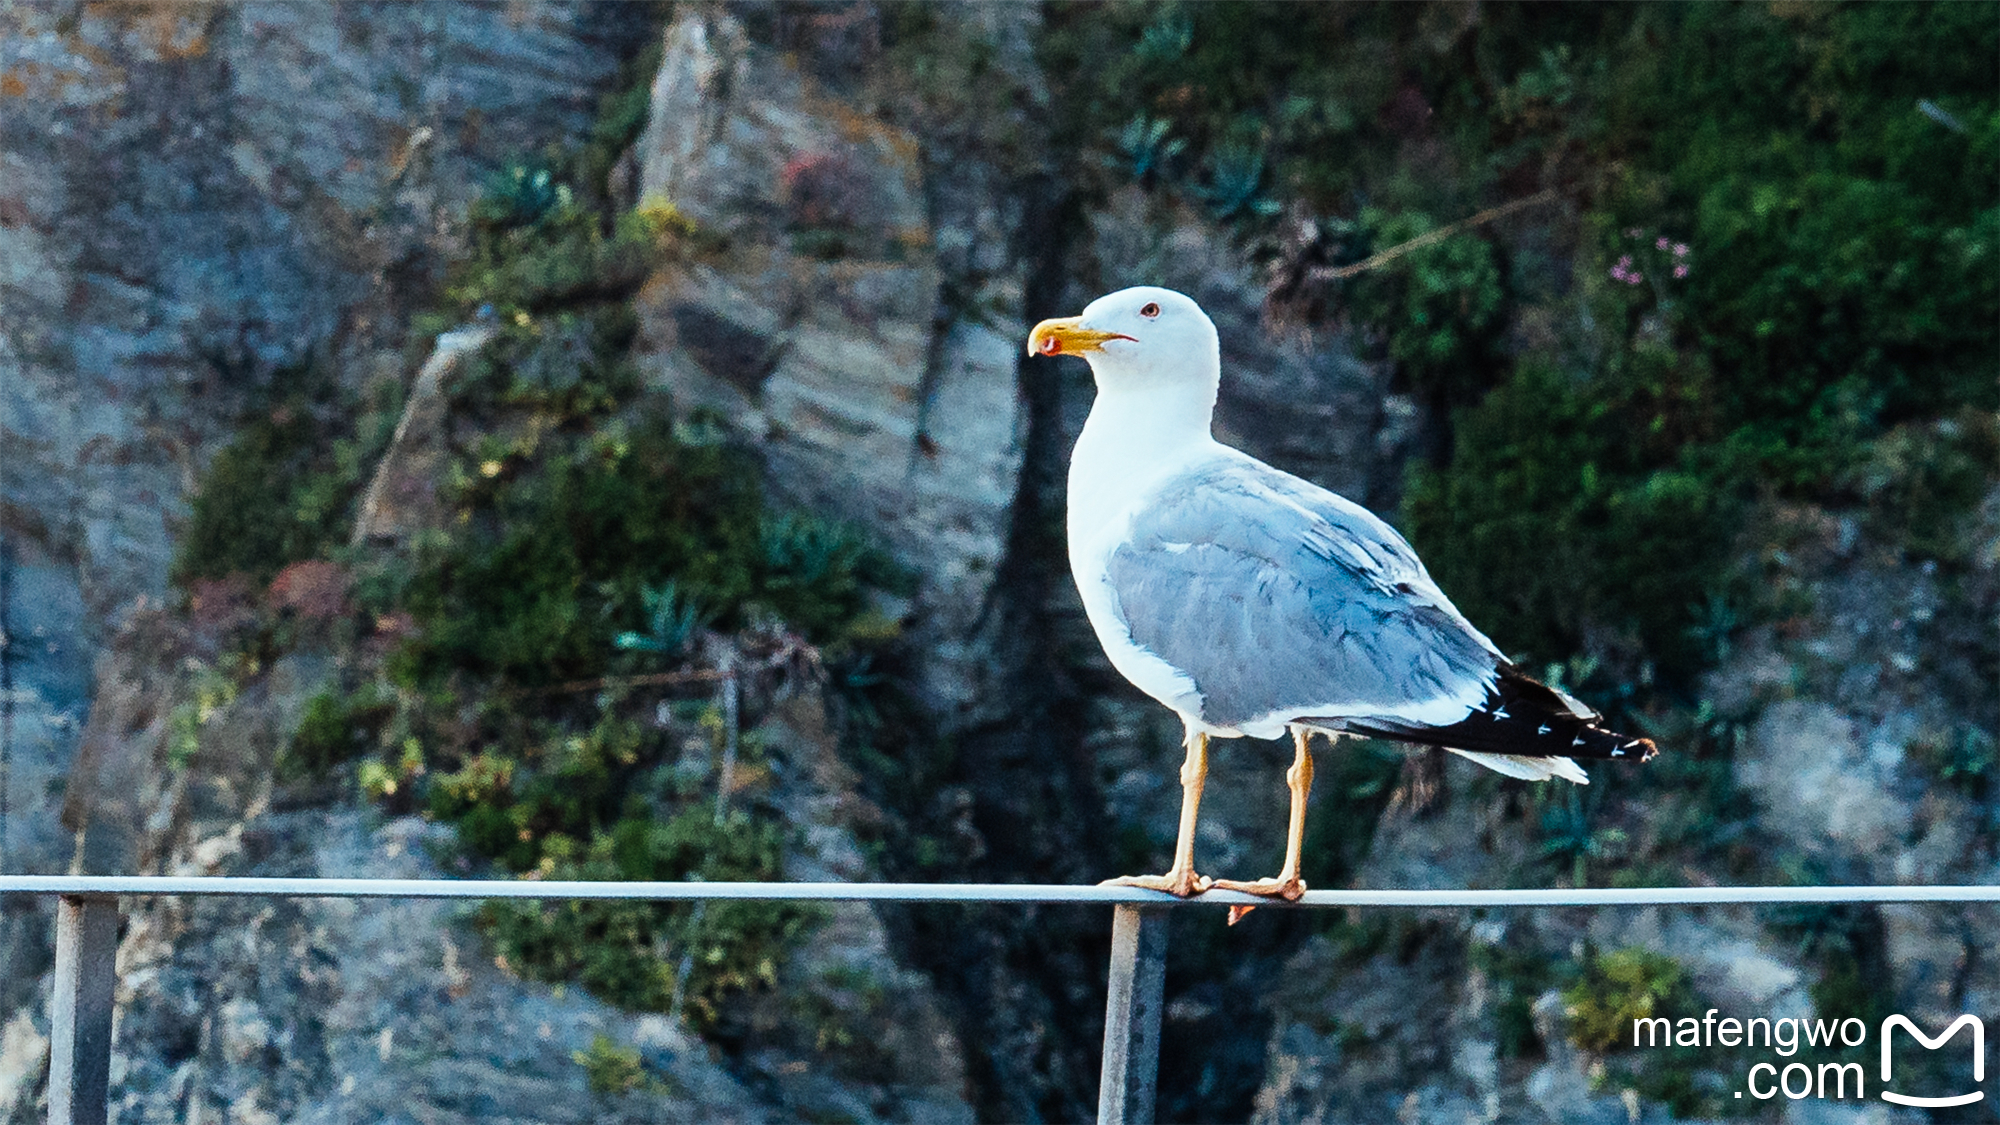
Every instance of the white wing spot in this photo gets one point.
(1501, 714)
(1543, 730)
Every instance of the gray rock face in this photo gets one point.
(395, 1011)
(402, 496)
(190, 197)
(1820, 783)
(821, 331)
(370, 1011)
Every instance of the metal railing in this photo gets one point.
(80, 1012)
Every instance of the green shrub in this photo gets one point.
(610, 1068)
(570, 363)
(1769, 258)
(334, 728)
(285, 487)
(1923, 483)
(1965, 758)
(552, 561)
(1549, 520)
(1439, 307)
(553, 556)
(1619, 987)
(247, 515)
(563, 258)
(627, 952)
(1571, 836)
(621, 117)
(210, 691)
(1518, 977)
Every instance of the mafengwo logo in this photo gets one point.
(1978, 1060)
(1836, 1081)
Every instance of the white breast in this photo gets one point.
(1120, 460)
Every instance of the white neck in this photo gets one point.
(1135, 436)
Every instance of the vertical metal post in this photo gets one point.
(80, 1015)
(1132, 1016)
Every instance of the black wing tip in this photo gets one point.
(1527, 731)
(1643, 749)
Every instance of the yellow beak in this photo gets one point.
(1068, 336)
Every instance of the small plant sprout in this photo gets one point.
(1236, 175)
(1567, 834)
(672, 620)
(1145, 143)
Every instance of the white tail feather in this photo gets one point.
(1527, 769)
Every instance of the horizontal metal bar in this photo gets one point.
(958, 892)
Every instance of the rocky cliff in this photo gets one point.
(809, 239)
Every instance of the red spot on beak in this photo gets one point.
(1051, 346)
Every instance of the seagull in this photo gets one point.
(1254, 603)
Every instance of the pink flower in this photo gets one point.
(1680, 249)
(1661, 244)
(1680, 271)
(1634, 278)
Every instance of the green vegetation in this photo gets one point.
(1618, 987)
(1571, 835)
(843, 1012)
(531, 255)
(281, 491)
(1608, 991)
(1923, 480)
(1518, 977)
(591, 538)
(610, 1068)
(1966, 759)
(615, 949)
(1439, 308)
(562, 535)
(587, 536)
(336, 727)
(1763, 260)
(209, 692)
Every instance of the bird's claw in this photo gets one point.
(1181, 883)
(1291, 890)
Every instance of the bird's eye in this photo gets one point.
(1151, 310)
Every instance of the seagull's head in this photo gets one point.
(1141, 338)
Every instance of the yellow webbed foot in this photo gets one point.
(1182, 883)
(1288, 889)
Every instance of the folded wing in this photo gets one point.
(1284, 603)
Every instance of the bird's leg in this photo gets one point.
(1288, 885)
(1180, 879)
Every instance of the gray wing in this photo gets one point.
(1276, 597)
